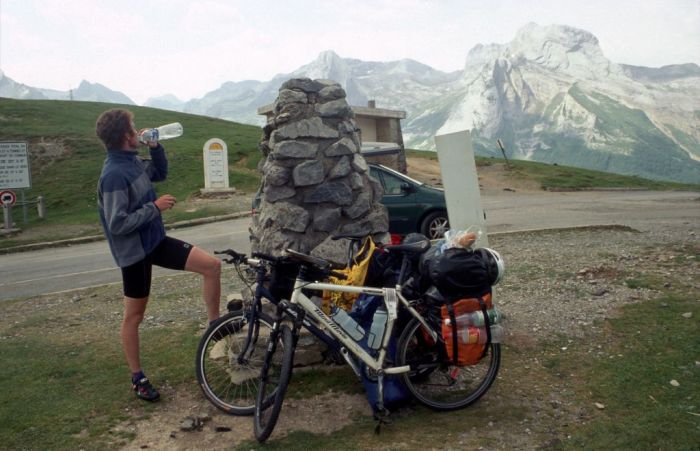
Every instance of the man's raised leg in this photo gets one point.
(210, 268)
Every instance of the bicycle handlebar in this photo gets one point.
(237, 258)
(268, 257)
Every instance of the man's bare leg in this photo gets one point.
(134, 309)
(210, 268)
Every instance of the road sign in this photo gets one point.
(7, 197)
(14, 166)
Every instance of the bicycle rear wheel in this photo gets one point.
(232, 385)
(433, 380)
(274, 378)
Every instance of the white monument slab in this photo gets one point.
(216, 167)
(461, 182)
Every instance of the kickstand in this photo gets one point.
(382, 417)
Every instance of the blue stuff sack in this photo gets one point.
(395, 392)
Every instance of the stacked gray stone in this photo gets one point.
(315, 182)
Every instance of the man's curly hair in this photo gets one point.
(112, 125)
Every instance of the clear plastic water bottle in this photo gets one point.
(477, 318)
(170, 131)
(167, 131)
(347, 323)
(474, 335)
(376, 332)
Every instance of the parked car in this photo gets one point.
(413, 206)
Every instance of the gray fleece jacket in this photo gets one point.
(125, 198)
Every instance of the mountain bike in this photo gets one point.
(421, 358)
(231, 350)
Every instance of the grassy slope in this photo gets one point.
(67, 156)
(555, 177)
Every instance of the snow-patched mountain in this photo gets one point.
(550, 95)
(393, 85)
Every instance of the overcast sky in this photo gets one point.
(146, 48)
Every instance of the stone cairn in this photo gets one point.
(315, 182)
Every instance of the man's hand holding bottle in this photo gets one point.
(165, 202)
(149, 137)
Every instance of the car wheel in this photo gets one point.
(435, 225)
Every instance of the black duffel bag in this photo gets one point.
(460, 273)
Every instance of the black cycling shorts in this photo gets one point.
(171, 253)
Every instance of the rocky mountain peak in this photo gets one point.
(327, 65)
(558, 48)
(481, 54)
(99, 93)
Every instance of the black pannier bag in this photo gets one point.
(460, 273)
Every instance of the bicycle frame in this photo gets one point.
(391, 298)
(263, 293)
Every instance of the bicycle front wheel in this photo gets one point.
(229, 382)
(274, 378)
(433, 379)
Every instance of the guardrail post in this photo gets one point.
(25, 214)
(41, 207)
(7, 215)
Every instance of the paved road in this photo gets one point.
(637, 209)
(58, 269)
(65, 268)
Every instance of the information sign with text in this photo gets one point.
(14, 166)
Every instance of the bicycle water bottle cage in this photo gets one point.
(392, 303)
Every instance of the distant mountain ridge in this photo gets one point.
(550, 94)
(86, 91)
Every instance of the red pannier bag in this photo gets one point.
(469, 349)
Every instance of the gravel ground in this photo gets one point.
(557, 284)
(580, 275)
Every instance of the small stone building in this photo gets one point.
(380, 134)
